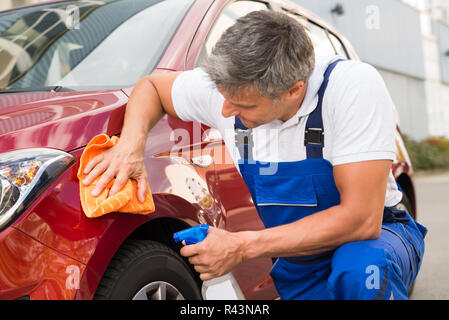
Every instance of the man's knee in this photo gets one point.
(360, 271)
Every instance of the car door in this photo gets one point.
(232, 193)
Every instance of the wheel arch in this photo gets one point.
(406, 184)
(161, 230)
(172, 214)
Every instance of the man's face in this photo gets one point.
(254, 110)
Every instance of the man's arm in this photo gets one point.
(362, 187)
(150, 100)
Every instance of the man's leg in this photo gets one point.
(301, 282)
(373, 269)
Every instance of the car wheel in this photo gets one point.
(147, 270)
(406, 205)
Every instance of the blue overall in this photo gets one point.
(374, 269)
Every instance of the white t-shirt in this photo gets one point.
(358, 118)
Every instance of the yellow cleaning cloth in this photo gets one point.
(123, 201)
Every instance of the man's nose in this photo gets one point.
(228, 110)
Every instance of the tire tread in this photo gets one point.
(130, 250)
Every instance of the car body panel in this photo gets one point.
(29, 268)
(57, 220)
(65, 121)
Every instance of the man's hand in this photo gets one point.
(217, 254)
(120, 162)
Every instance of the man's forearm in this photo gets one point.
(143, 111)
(319, 232)
(358, 217)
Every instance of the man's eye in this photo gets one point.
(246, 107)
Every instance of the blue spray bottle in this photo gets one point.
(221, 288)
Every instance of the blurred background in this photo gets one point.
(408, 42)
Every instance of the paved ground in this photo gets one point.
(433, 212)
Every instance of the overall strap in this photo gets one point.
(243, 140)
(314, 133)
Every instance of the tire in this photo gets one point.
(147, 270)
(406, 205)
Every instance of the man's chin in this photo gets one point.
(250, 124)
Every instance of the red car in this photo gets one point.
(66, 72)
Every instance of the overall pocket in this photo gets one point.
(415, 233)
(284, 199)
(411, 229)
(412, 239)
(397, 234)
(285, 191)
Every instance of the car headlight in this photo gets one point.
(24, 175)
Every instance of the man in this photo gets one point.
(328, 206)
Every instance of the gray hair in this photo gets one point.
(265, 49)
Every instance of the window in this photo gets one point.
(322, 44)
(338, 45)
(115, 43)
(319, 36)
(226, 19)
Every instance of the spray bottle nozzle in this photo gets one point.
(192, 235)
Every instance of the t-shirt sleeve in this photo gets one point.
(196, 98)
(364, 118)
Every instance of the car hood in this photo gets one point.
(60, 120)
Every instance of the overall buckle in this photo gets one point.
(314, 136)
(244, 142)
(243, 137)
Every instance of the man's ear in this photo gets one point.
(295, 91)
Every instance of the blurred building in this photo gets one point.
(408, 42)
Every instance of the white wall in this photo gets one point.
(409, 97)
(441, 31)
(408, 50)
(385, 33)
